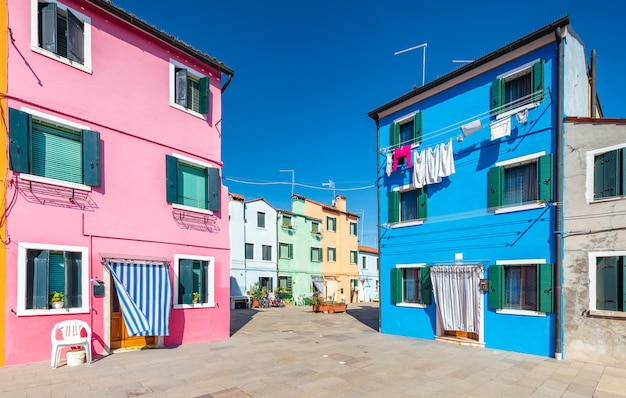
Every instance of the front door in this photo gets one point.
(119, 334)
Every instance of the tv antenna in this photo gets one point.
(423, 45)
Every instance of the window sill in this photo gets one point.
(61, 59)
(190, 208)
(528, 206)
(193, 306)
(607, 314)
(408, 224)
(189, 111)
(411, 305)
(516, 110)
(609, 199)
(51, 181)
(62, 311)
(521, 312)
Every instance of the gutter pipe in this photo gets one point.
(558, 302)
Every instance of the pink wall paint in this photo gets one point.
(126, 97)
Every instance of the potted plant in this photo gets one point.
(256, 293)
(196, 297)
(56, 300)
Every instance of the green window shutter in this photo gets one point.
(546, 287)
(544, 177)
(73, 276)
(290, 250)
(417, 127)
(396, 285)
(171, 179)
(394, 135)
(215, 185)
(497, 89)
(537, 77)
(75, 38)
(599, 189)
(49, 27)
(496, 276)
(91, 158)
(394, 207)
(56, 272)
(192, 186)
(185, 281)
(37, 279)
(496, 186)
(425, 285)
(202, 283)
(204, 95)
(289, 282)
(421, 203)
(312, 259)
(56, 153)
(623, 283)
(606, 283)
(19, 131)
(181, 87)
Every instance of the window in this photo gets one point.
(45, 269)
(249, 251)
(353, 257)
(411, 285)
(285, 250)
(353, 229)
(519, 88)
(286, 222)
(61, 33)
(54, 149)
(315, 227)
(260, 219)
(378, 263)
(192, 184)
(189, 90)
(316, 254)
(285, 283)
(521, 286)
(609, 282)
(363, 262)
(331, 224)
(266, 282)
(608, 172)
(267, 253)
(331, 254)
(406, 131)
(195, 280)
(406, 206)
(516, 183)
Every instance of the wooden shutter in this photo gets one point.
(289, 283)
(496, 286)
(56, 153)
(417, 127)
(546, 287)
(203, 288)
(426, 286)
(623, 283)
(290, 250)
(48, 27)
(215, 185)
(537, 78)
(181, 87)
(606, 283)
(544, 177)
(394, 207)
(204, 95)
(171, 178)
(73, 277)
(497, 89)
(396, 285)
(496, 186)
(185, 281)
(394, 135)
(19, 132)
(91, 158)
(75, 38)
(40, 280)
(421, 203)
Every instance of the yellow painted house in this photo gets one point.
(339, 247)
(3, 165)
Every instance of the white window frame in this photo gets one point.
(34, 35)
(593, 262)
(286, 244)
(590, 180)
(334, 260)
(282, 221)
(22, 248)
(263, 253)
(355, 258)
(506, 75)
(405, 304)
(210, 280)
(172, 83)
(320, 251)
(334, 224)
(192, 162)
(400, 224)
(319, 227)
(356, 228)
(518, 162)
(530, 261)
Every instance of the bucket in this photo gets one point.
(75, 357)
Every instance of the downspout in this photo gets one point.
(594, 98)
(558, 302)
(380, 300)
(230, 77)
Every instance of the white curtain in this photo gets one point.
(457, 296)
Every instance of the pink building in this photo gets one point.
(114, 195)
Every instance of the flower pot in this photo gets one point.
(57, 305)
(255, 303)
(75, 357)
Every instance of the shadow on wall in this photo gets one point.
(235, 290)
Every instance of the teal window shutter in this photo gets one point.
(48, 12)
(599, 187)
(181, 87)
(19, 131)
(607, 283)
(545, 293)
(37, 279)
(214, 189)
(290, 250)
(204, 96)
(496, 186)
(91, 158)
(192, 186)
(394, 207)
(56, 272)
(417, 127)
(75, 38)
(496, 283)
(544, 177)
(425, 285)
(421, 203)
(537, 79)
(394, 135)
(608, 175)
(497, 91)
(56, 152)
(203, 289)
(171, 178)
(185, 281)
(396, 285)
(623, 283)
(73, 276)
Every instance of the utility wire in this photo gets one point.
(298, 184)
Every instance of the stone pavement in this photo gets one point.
(293, 352)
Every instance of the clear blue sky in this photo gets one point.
(307, 73)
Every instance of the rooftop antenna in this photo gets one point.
(293, 174)
(362, 222)
(331, 185)
(423, 45)
(462, 61)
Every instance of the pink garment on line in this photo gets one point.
(402, 152)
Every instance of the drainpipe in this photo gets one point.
(380, 299)
(594, 98)
(558, 302)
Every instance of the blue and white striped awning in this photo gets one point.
(145, 296)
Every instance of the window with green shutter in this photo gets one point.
(518, 89)
(316, 254)
(194, 281)
(191, 91)
(608, 174)
(520, 183)
(521, 287)
(61, 31)
(331, 224)
(42, 148)
(406, 206)
(406, 132)
(411, 285)
(192, 185)
(353, 228)
(331, 255)
(610, 283)
(50, 271)
(353, 256)
(285, 250)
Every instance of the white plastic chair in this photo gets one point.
(70, 334)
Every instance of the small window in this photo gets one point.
(353, 257)
(331, 255)
(521, 287)
(406, 132)
(608, 172)
(610, 279)
(189, 90)
(286, 222)
(407, 206)
(363, 262)
(192, 184)
(353, 229)
(195, 281)
(249, 251)
(315, 227)
(518, 89)
(267, 253)
(411, 285)
(525, 182)
(285, 284)
(331, 224)
(266, 282)
(285, 250)
(260, 219)
(316, 254)
(378, 263)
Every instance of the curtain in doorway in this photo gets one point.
(457, 294)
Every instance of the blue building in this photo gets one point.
(469, 187)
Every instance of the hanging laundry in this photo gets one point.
(446, 154)
(433, 165)
(388, 165)
(501, 128)
(402, 152)
(419, 169)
